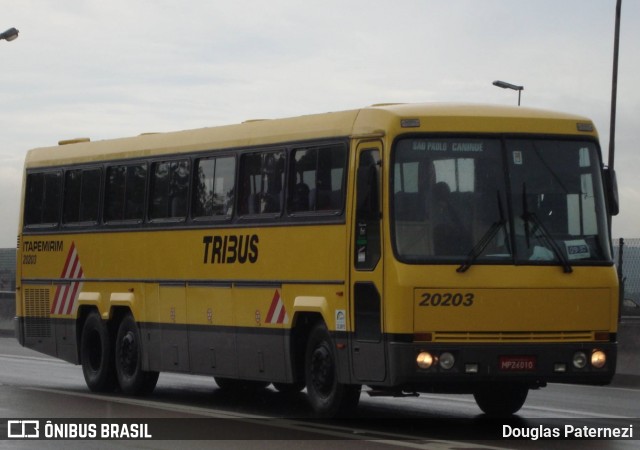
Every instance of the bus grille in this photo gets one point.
(37, 321)
(514, 336)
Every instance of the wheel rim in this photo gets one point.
(322, 370)
(128, 353)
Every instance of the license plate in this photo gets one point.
(517, 363)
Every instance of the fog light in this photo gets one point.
(424, 360)
(447, 360)
(598, 359)
(580, 360)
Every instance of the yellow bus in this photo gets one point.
(404, 247)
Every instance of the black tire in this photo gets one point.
(96, 355)
(327, 396)
(501, 400)
(128, 360)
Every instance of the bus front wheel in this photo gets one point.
(96, 354)
(501, 400)
(132, 379)
(328, 397)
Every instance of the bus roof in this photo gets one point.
(384, 119)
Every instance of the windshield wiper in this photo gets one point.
(548, 239)
(477, 249)
(528, 216)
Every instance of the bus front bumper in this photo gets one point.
(463, 367)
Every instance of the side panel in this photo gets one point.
(66, 345)
(173, 328)
(212, 339)
(261, 317)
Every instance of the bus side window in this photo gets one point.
(214, 187)
(330, 180)
(367, 203)
(316, 179)
(43, 200)
(169, 189)
(261, 183)
(81, 196)
(302, 179)
(124, 193)
(367, 251)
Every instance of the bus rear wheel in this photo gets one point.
(327, 396)
(501, 400)
(96, 355)
(132, 379)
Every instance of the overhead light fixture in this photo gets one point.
(505, 85)
(10, 35)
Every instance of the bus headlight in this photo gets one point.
(447, 360)
(424, 360)
(580, 360)
(598, 359)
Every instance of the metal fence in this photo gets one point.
(7, 269)
(627, 257)
(7, 309)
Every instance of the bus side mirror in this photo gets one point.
(611, 189)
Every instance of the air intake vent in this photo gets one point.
(37, 321)
(514, 336)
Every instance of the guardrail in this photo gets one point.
(7, 307)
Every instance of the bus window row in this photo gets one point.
(267, 184)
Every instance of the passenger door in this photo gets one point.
(367, 341)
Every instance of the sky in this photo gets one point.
(111, 69)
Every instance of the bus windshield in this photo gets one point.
(512, 200)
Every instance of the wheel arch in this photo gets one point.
(115, 315)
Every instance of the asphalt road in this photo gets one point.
(34, 386)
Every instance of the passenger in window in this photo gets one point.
(272, 179)
(179, 189)
(300, 197)
(269, 203)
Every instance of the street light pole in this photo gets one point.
(614, 87)
(10, 35)
(505, 85)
